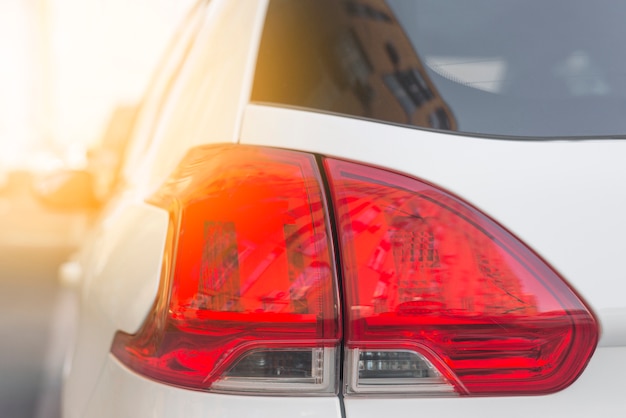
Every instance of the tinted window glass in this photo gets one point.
(506, 67)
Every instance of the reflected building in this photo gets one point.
(349, 57)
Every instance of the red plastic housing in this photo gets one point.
(249, 290)
(426, 272)
(249, 266)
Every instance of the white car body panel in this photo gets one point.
(109, 299)
(121, 393)
(130, 266)
(119, 289)
(216, 80)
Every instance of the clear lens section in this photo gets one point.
(282, 370)
(393, 371)
(392, 365)
(295, 365)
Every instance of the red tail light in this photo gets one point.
(248, 300)
(439, 298)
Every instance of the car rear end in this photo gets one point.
(387, 232)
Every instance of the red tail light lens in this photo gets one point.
(441, 298)
(249, 295)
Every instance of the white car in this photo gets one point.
(360, 208)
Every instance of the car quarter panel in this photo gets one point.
(117, 290)
(122, 263)
(121, 393)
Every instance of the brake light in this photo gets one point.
(249, 296)
(441, 299)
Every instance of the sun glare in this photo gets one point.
(65, 65)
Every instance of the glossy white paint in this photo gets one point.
(214, 87)
(564, 199)
(121, 393)
(127, 279)
(121, 262)
(120, 287)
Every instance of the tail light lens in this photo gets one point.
(249, 295)
(438, 298)
(441, 299)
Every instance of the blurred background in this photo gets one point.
(71, 75)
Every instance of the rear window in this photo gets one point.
(506, 68)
